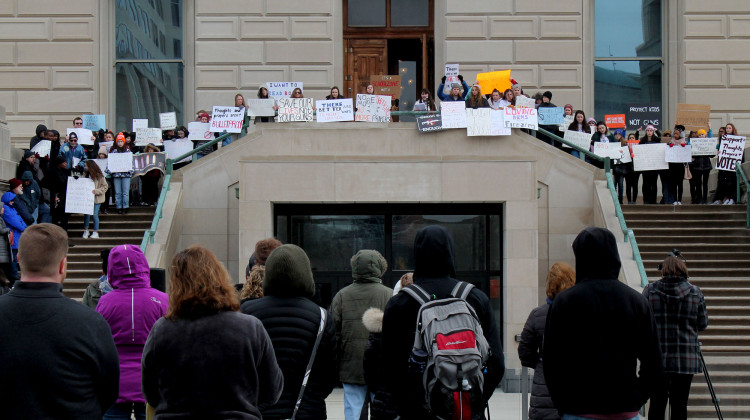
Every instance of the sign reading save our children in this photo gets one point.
(227, 118)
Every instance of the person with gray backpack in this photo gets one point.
(450, 364)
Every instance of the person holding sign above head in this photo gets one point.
(456, 90)
(425, 97)
(727, 184)
(650, 178)
(74, 153)
(121, 179)
(100, 189)
(699, 169)
(476, 100)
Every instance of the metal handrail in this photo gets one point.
(741, 176)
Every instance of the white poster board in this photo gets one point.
(568, 120)
(678, 154)
(580, 139)
(120, 162)
(79, 196)
(42, 148)
(611, 150)
(521, 118)
(102, 164)
(139, 123)
(525, 102)
(84, 136)
(705, 146)
(335, 110)
(453, 114)
(625, 153)
(479, 122)
(295, 109)
(649, 157)
(227, 118)
(451, 70)
(497, 120)
(200, 131)
(280, 90)
(144, 136)
(730, 152)
(373, 108)
(176, 148)
(260, 107)
(168, 120)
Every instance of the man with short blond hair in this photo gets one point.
(59, 358)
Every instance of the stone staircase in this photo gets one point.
(84, 260)
(716, 244)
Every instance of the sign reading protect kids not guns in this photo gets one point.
(227, 118)
(730, 152)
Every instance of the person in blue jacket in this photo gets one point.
(16, 225)
(458, 96)
(71, 150)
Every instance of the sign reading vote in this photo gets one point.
(94, 122)
(227, 118)
(551, 115)
(705, 146)
(79, 196)
(373, 108)
(641, 115)
(280, 90)
(521, 118)
(168, 120)
(730, 152)
(335, 110)
(295, 109)
(428, 123)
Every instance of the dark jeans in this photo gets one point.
(727, 185)
(676, 180)
(675, 387)
(59, 217)
(631, 186)
(619, 184)
(649, 186)
(699, 185)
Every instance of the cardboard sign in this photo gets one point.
(334, 110)
(611, 150)
(641, 115)
(521, 118)
(678, 154)
(42, 148)
(84, 136)
(387, 85)
(451, 70)
(730, 152)
(454, 114)
(280, 90)
(79, 196)
(478, 122)
(102, 164)
(260, 107)
(177, 148)
(227, 118)
(625, 154)
(140, 123)
(295, 109)
(693, 117)
(649, 157)
(428, 123)
(120, 162)
(144, 136)
(489, 81)
(168, 120)
(373, 108)
(94, 122)
(200, 131)
(615, 120)
(579, 138)
(524, 102)
(146, 162)
(704, 146)
(497, 120)
(551, 115)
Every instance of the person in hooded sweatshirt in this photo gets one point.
(434, 271)
(17, 226)
(680, 312)
(347, 308)
(292, 320)
(596, 334)
(41, 131)
(131, 309)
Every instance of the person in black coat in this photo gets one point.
(16, 187)
(381, 406)
(292, 321)
(56, 181)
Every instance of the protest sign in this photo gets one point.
(499, 80)
(611, 150)
(454, 114)
(140, 123)
(280, 90)
(451, 70)
(649, 157)
(295, 109)
(168, 120)
(579, 138)
(260, 107)
(79, 196)
(387, 85)
(76, 161)
(615, 120)
(497, 120)
(678, 154)
(641, 115)
(200, 131)
(427, 123)
(525, 102)
(625, 154)
(227, 118)
(144, 136)
(730, 152)
(145, 162)
(373, 108)
(107, 144)
(120, 162)
(693, 117)
(334, 110)
(551, 115)
(566, 122)
(705, 146)
(84, 136)
(177, 148)
(478, 122)
(101, 163)
(521, 118)
(42, 148)
(94, 122)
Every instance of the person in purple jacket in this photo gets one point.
(131, 309)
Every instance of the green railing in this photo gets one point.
(741, 176)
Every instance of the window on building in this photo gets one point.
(149, 76)
(628, 55)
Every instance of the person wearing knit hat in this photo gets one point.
(73, 152)
(517, 88)
(21, 206)
(568, 109)
(547, 95)
(552, 128)
(700, 167)
(31, 195)
(121, 180)
(292, 321)
(14, 183)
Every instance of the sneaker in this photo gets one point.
(95, 235)
(725, 202)
(679, 203)
(716, 202)
(85, 234)
(729, 202)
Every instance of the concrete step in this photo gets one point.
(714, 330)
(717, 223)
(726, 320)
(730, 342)
(725, 291)
(709, 412)
(691, 256)
(686, 208)
(665, 242)
(694, 264)
(728, 311)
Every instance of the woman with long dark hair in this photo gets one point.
(100, 190)
(650, 178)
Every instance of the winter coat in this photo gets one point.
(32, 194)
(38, 137)
(25, 166)
(381, 407)
(448, 98)
(131, 309)
(56, 181)
(434, 271)
(12, 220)
(596, 333)
(529, 349)
(482, 103)
(219, 366)
(100, 190)
(77, 152)
(5, 253)
(680, 312)
(347, 308)
(22, 208)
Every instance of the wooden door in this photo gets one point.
(364, 58)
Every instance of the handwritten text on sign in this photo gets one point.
(521, 118)
(551, 115)
(94, 122)
(295, 109)
(451, 70)
(678, 154)
(705, 146)
(144, 136)
(335, 110)
(649, 157)
(79, 196)
(525, 102)
(168, 120)
(497, 118)
(579, 138)
(227, 118)
(730, 152)
(478, 122)
(454, 114)
(373, 108)
(280, 90)
(199, 131)
(611, 150)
